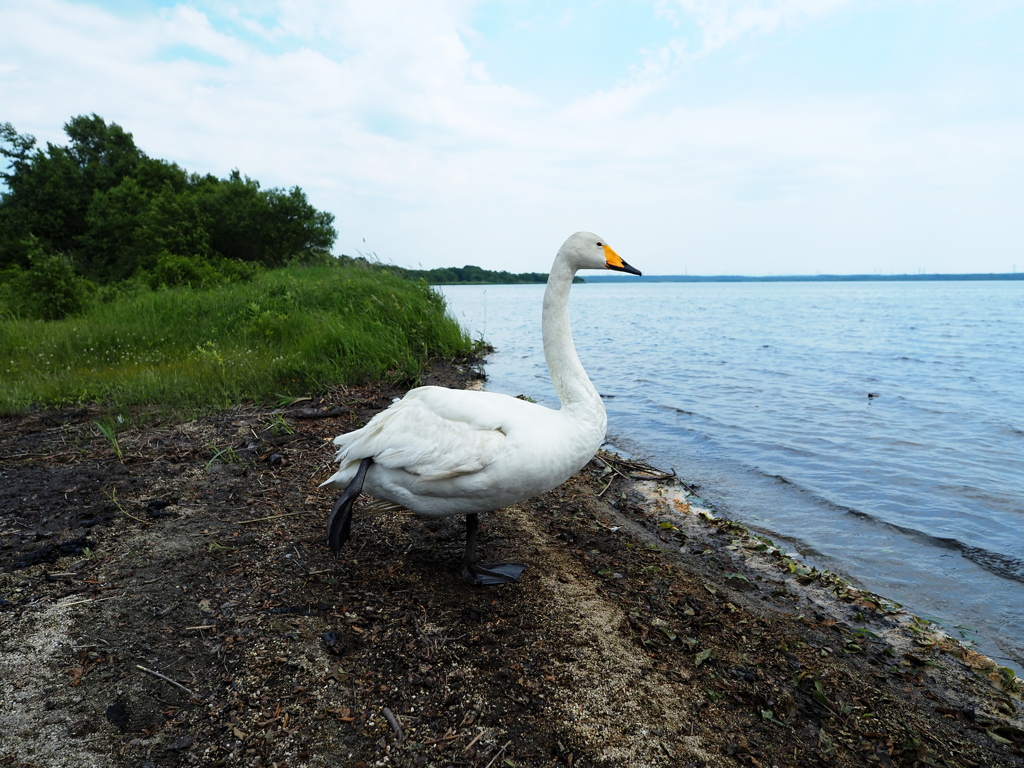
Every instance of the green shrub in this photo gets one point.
(171, 270)
(49, 289)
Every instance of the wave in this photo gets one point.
(1002, 565)
(998, 563)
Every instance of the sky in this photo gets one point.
(711, 137)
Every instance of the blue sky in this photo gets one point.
(699, 136)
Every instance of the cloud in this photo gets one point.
(384, 115)
(722, 22)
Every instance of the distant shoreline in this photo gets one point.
(801, 278)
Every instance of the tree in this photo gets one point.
(49, 192)
(17, 155)
(294, 227)
(104, 154)
(44, 201)
(110, 209)
(174, 223)
(237, 212)
(111, 247)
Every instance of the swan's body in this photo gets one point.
(463, 451)
(441, 452)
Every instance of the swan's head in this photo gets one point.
(585, 250)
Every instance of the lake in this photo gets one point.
(877, 428)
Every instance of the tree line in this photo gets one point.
(101, 210)
(468, 274)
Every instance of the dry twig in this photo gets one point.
(500, 753)
(271, 517)
(393, 722)
(175, 683)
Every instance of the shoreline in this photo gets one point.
(832, 569)
(826, 591)
(204, 622)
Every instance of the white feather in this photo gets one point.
(442, 452)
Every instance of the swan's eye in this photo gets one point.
(600, 245)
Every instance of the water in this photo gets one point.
(759, 393)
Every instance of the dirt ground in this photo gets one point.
(178, 606)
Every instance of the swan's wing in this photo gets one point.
(434, 432)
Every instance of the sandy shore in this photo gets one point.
(182, 609)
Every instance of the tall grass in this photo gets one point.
(287, 331)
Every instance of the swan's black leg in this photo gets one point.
(469, 557)
(339, 522)
(476, 574)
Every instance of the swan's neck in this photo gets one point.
(570, 380)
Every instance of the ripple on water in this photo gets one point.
(759, 393)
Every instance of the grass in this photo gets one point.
(110, 433)
(285, 333)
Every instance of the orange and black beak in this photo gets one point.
(612, 260)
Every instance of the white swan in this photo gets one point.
(441, 452)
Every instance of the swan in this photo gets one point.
(441, 452)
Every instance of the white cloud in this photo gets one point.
(380, 112)
(724, 21)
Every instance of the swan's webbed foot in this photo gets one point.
(479, 575)
(484, 575)
(339, 522)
